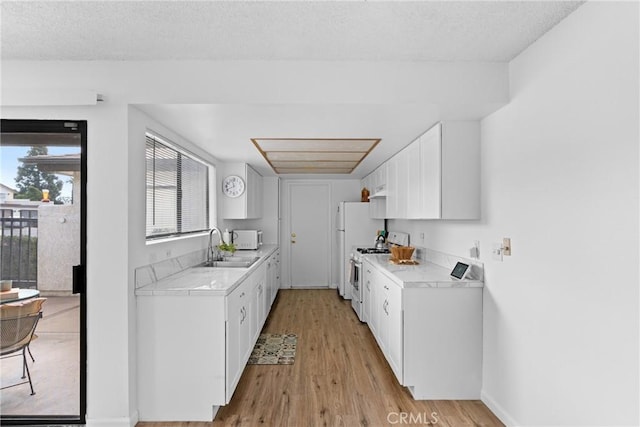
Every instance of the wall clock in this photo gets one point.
(233, 186)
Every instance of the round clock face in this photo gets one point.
(233, 186)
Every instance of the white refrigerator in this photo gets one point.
(355, 229)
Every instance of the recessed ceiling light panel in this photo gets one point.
(314, 155)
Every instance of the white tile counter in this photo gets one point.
(423, 275)
(205, 281)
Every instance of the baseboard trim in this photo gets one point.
(497, 409)
(134, 418)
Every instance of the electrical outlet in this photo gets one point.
(506, 246)
(474, 252)
(496, 252)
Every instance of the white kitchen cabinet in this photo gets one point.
(430, 336)
(393, 199)
(260, 307)
(437, 176)
(393, 330)
(273, 278)
(376, 182)
(194, 348)
(249, 203)
(277, 272)
(182, 355)
(430, 144)
(239, 336)
(377, 308)
(398, 184)
(386, 318)
(411, 181)
(450, 174)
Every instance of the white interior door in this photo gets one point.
(310, 233)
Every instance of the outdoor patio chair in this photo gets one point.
(36, 307)
(17, 326)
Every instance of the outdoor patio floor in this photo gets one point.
(55, 373)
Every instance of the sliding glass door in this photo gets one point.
(42, 250)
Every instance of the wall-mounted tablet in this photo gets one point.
(460, 271)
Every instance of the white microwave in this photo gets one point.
(247, 239)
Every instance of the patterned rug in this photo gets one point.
(274, 349)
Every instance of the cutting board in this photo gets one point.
(10, 294)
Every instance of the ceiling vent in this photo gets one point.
(314, 155)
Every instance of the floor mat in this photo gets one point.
(274, 349)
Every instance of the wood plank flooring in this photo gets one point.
(339, 378)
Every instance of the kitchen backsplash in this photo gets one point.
(148, 274)
(449, 261)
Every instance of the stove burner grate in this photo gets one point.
(373, 251)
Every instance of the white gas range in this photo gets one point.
(357, 257)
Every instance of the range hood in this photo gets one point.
(381, 194)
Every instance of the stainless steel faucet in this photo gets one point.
(213, 253)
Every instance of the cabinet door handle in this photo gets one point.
(386, 287)
(241, 295)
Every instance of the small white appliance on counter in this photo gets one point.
(246, 239)
(355, 228)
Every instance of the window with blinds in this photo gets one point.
(177, 191)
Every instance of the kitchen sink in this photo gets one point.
(233, 262)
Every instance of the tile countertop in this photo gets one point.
(424, 275)
(206, 281)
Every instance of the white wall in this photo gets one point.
(139, 252)
(560, 177)
(108, 390)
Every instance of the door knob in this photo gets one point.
(293, 234)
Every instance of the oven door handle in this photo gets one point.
(355, 266)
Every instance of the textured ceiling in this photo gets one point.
(298, 30)
(292, 30)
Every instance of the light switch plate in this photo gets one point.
(496, 252)
(506, 246)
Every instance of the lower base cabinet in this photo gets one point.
(430, 336)
(192, 350)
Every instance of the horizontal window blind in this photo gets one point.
(177, 191)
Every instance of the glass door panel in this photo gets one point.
(42, 254)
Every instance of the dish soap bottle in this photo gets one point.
(225, 236)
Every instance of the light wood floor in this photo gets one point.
(340, 377)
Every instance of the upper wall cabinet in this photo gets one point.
(240, 192)
(376, 182)
(437, 176)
